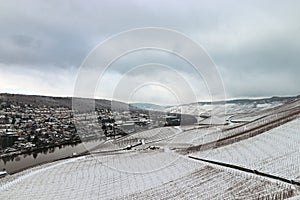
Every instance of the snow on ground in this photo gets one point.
(221, 113)
(228, 108)
(190, 136)
(276, 152)
(97, 177)
(147, 136)
(194, 137)
(263, 110)
(213, 183)
(141, 174)
(116, 176)
(251, 107)
(162, 173)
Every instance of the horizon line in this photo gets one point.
(199, 101)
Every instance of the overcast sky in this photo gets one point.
(255, 44)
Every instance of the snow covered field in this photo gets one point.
(276, 151)
(213, 183)
(149, 136)
(114, 172)
(93, 177)
(229, 108)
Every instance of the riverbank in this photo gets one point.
(37, 149)
(18, 163)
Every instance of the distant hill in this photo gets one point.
(232, 106)
(149, 106)
(249, 101)
(37, 100)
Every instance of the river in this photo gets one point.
(21, 162)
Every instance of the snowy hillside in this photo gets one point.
(276, 152)
(93, 177)
(157, 163)
(224, 108)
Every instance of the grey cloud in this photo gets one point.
(25, 41)
(254, 43)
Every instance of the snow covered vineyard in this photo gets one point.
(114, 177)
(271, 119)
(144, 137)
(127, 168)
(276, 152)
